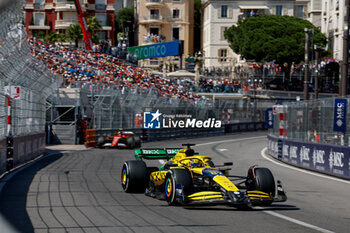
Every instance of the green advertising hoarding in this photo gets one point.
(156, 50)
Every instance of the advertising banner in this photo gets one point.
(324, 158)
(339, 123)
(156, 50)
(269, 118)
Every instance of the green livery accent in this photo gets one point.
(156, 153)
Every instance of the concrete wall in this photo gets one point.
(27, 147)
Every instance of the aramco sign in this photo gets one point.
(166, 49)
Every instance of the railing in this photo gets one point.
(177, 133)
(39, 6)
(24, 135)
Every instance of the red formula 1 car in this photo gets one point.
(120, 139)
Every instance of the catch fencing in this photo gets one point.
(25, 83)
(311, 121)
(123, 108)
(304, 135)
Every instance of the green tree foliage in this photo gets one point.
(197, 24)
(272, 38)
(51, 38)
(93, 24)
(75, 33)
(125, 19)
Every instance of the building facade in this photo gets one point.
(332, 24)
(162, 21)
(44, 16)
(314, 12)
(120, 4)
(219, 15)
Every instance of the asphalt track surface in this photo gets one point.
(81, 192)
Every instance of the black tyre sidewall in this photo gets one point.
(265, 181)
(136, 176)
(181, 177)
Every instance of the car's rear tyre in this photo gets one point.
(130, 141)
(100, 141)
(134, 176)
(137, 141)
(177, 178)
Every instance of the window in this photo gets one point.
(176, 33)
(39, 19)
(176, 0)
(279, 10)
(222, 55)
(176, 13)
(224, 11)
(154, 14)
(222, 34)
(101, 35)
(154, 31)
(300, 11)
(39, 4)
(101, 18)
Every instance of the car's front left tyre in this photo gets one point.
(134, 176)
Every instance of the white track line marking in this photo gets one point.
(301, 170)
(272, 212)
(304, 224)
(223, 150)
(229, 140)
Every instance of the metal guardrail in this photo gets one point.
(177, 133)
(22, 114)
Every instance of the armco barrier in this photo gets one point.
(27, 147)
(3, 156)
(174, 133)
(324, 158)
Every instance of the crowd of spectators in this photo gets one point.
(80, 68)
(153, 38)
(97, 70)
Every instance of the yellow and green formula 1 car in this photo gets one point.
(187, 178)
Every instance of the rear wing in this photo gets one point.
(156, 153)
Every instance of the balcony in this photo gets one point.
(152, 19)
(65, 6)
(39, 6)
(29, 6)
(154, 3)
(152, 39)
(100, 7)
(246, 15)
(65, 24)
(38, 27)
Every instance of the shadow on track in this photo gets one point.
(14, 195)
(227, 208)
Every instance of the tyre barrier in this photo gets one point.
(323, 158)
(90, 138)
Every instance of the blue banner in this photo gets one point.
(269, 118)
(339, 123)
(323, 158)
(156, 50)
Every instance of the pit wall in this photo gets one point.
(323, 158)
